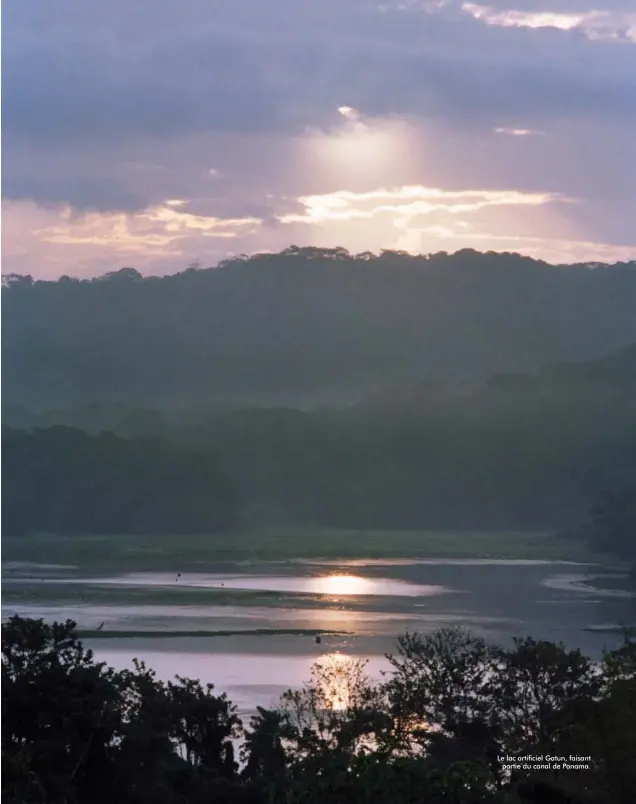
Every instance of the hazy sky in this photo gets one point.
(150, 133)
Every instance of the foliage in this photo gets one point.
(63, 480)
(505, 455)
(614, 522)
(305, 326)
(74, 730)
(441, 415)
(434, 730)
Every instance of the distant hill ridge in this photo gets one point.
(307, 326)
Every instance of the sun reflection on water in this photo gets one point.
(343, 585)
(339, 678)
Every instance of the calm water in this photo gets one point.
(360, 606)
(333, 584)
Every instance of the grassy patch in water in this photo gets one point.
(137, 634)
(95, 595)
(74, 595)
(108, 594)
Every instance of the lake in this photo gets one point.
(250, 627)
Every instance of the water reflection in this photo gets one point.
(334, 584)
(251, 679)
(339, 681)
(343, 585)
(583, 583)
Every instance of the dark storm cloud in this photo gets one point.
(118, 75)
(87, 193)
(471, 90)
(68, 88)
(77, 83)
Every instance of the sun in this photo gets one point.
(361, 150)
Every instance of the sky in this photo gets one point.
(155, 134)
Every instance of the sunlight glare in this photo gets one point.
(336, 677)
(343, 585)
(361, 150)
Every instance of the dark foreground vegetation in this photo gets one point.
(434, 731)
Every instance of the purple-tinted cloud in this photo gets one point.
(116, 107)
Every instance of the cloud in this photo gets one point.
(611, 26)
(125, 91)
(82, 192)
(165, 239)
(348, 112)
(160, 228)
(405, 203)
(175, 221)
(81, 82)
(247, 111)
(518, 132)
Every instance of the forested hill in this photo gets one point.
(305, 326)
(518, 452)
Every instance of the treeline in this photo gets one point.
(521, 451)
(612, 525)
(305, 326)
(63, 480)
(437, 729)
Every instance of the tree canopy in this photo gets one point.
(62, 480)
(529, 451)
(305, 326)
(453, 722)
